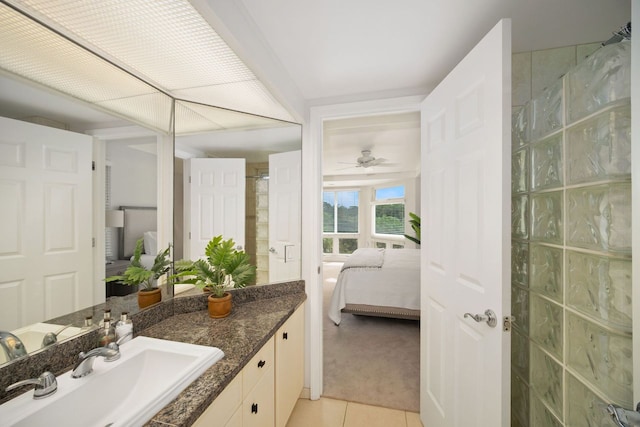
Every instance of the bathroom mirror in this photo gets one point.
(48, 266)
(52, 82)
(238, 175)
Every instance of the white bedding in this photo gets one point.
(146, 260)
(395, 283)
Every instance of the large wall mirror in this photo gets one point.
(66, 170)
(58, 245)
(238, 175)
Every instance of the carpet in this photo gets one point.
(370, 360)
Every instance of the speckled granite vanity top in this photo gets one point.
(258, 311)
(240, 336)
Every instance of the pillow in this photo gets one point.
(150, 242)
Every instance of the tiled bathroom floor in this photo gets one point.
(327, 412)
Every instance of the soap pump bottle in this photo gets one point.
(105, 316)
(124, 328)
(107, 334)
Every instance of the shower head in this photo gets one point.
(624, 33)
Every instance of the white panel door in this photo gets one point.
(466, 241)
(46, 254)
(214, 203)
(285, 186)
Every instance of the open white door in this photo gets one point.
(214, 203)
(46, 258)
(284, 216)
(466, 148)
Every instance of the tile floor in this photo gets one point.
(327, 412)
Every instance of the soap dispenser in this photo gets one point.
(107, 334)
(124, 328)
(105, 316)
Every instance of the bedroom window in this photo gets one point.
(340, 211)
(388, 211)
(340, 221)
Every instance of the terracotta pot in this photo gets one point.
(219, 307)
(149, 297)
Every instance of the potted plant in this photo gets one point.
(415, 225)
(222, 268)
(146, 279)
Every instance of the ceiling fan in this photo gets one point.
(366, 160)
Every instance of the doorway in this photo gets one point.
(370, 360)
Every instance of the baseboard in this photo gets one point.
(305, 393)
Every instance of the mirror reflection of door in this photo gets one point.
(214, 203)
(45, 250)
(284, 216)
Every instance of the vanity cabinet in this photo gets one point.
(264, 393)
(289, 378)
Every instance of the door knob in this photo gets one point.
(272, 250)
(489, 317)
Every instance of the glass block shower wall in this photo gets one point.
(571, 247)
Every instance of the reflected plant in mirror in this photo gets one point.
(145, 276)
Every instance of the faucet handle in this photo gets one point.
(46, 384)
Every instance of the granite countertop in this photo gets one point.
(240, 336)
(257, 313)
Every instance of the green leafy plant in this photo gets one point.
(137, 274)
(415, 225)
(222, 268)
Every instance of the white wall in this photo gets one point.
(133, 173)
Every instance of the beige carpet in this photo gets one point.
(370, 360)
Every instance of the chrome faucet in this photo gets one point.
(84, 366)
(46, 384)
(12, 346)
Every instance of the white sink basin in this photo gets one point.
(127, 392)
(32, 335)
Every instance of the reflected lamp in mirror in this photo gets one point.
(112, 219)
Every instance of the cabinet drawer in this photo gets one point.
(223, 407)
(258, 406)
(262, 362)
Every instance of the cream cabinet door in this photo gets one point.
(257, 408)
(261, 364)
(236, 419)
(289, 365)
(225, 410)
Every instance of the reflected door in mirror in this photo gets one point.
(214, 203)
(284, 216)
(45, 223)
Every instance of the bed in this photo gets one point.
(378, 282)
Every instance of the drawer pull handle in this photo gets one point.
(261, 363)
(254, 408)
(285, 335)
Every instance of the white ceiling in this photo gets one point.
(362, 48)
(335, 51)
(331, 51)
(394, 138)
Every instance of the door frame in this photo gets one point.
(312, 216)
(635, 202)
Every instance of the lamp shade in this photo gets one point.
(114, 218)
